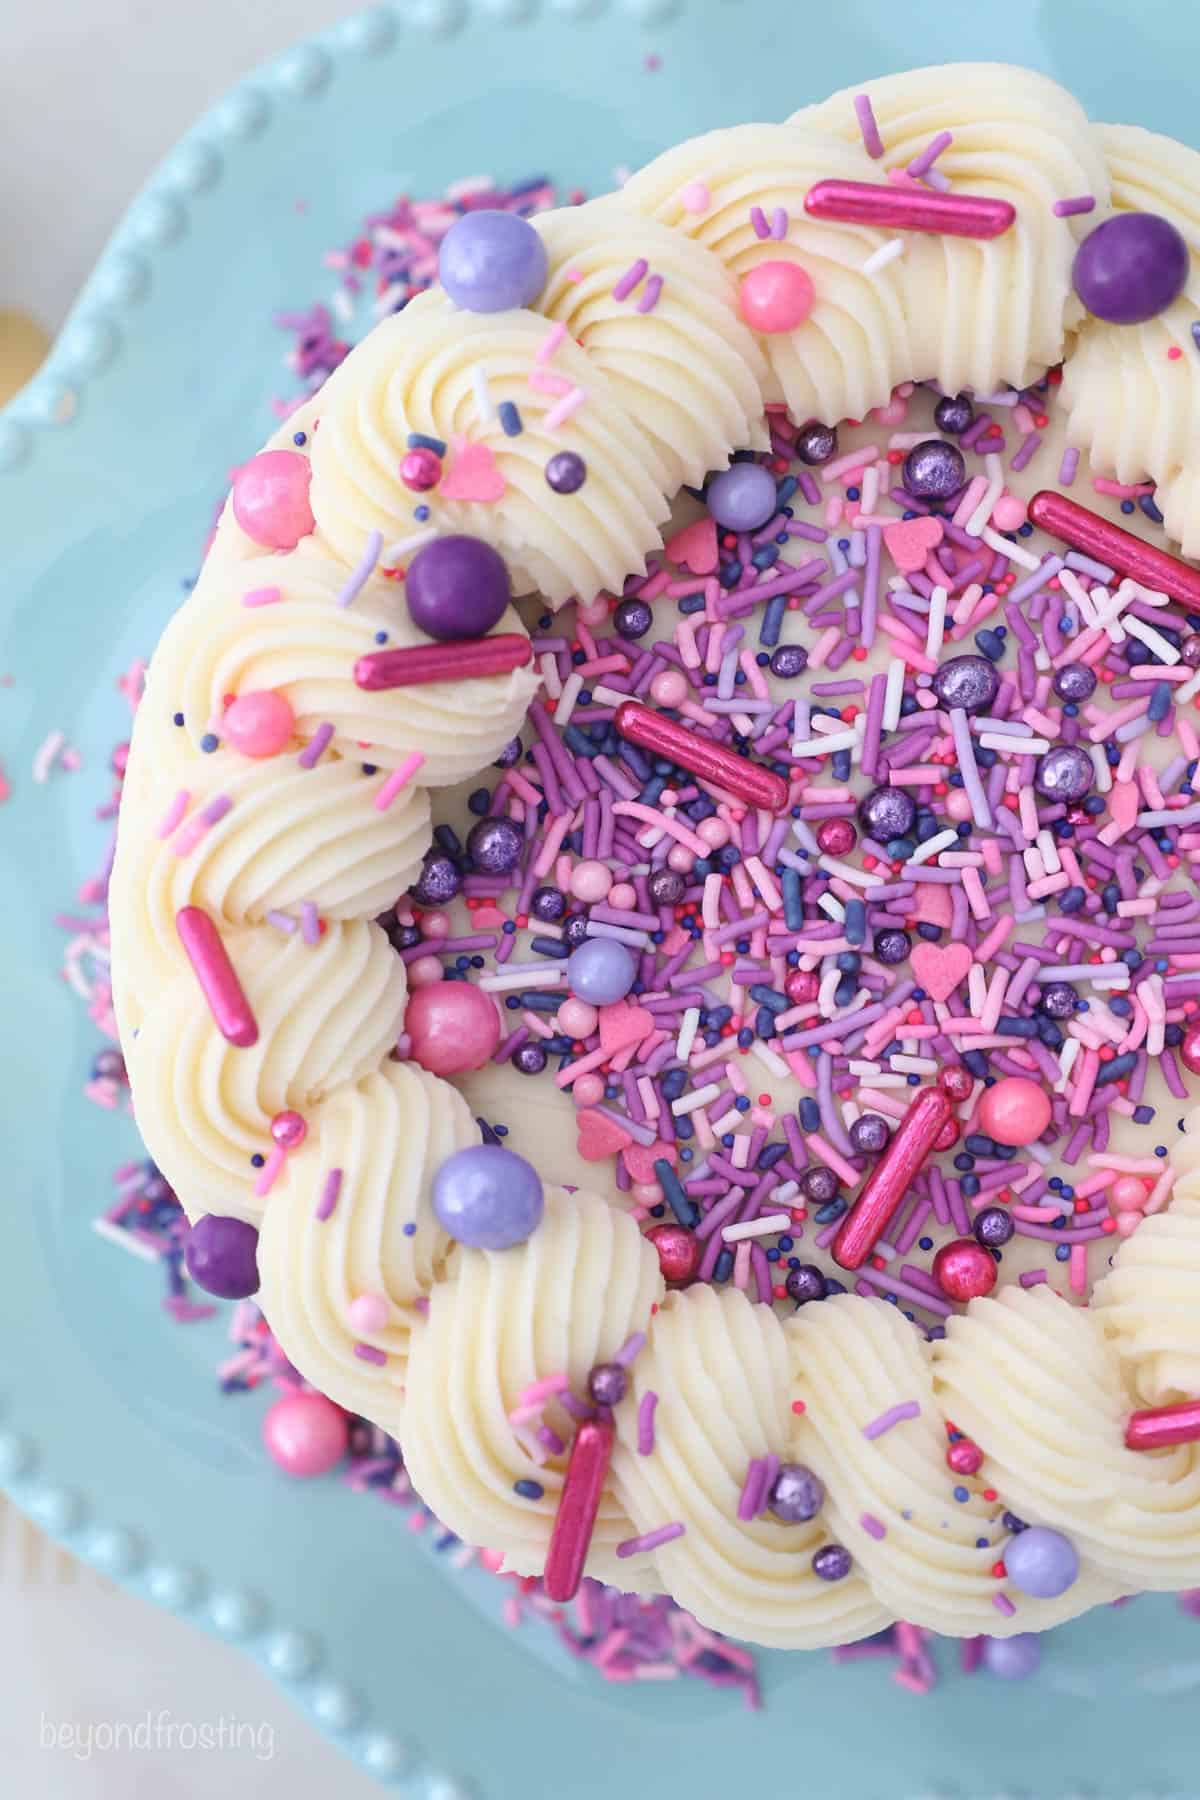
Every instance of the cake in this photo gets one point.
(639, 398)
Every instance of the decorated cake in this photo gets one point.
(772, 580)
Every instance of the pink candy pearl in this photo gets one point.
(590, 881)
(958, 806)
(306, 1434)
(777, 296)
(1015, 1111)
(714, 832)
(647, 1193)
(1009, 513)
(670, 688)
(593, 612)
(270, 498)
(289, 1130)
(1127, 1195)
(623, 894)
(578, 1018)
(435, 924)
(259, 724)
(1127, 1223)
(369, 1313)
(423, 971)
(680, 858)
(453, 1027)
(588, 1090)
(421, 469)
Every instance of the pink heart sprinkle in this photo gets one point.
(599, 1136)
(1124, 803)
(622, 1025)
(472, 474)
(940, 968)
(641, 1158)
(695, 547)
(911, 541)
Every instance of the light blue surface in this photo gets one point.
(112, 1432)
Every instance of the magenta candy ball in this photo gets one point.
(456, 587)
(270, 498)
(306, 1434)
(260, 723)
(453, 1026)
(1015, 1111)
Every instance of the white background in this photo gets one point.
(92, 92)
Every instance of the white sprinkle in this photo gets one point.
(1182, 815)
(689, 1103)
(914, 1065)
(572, 687)
(1094, 972)
(856, 877)
(768, 1058)
(1153, 640)
(1103, 772)
(606, 696)
(1024, 559)
(47, 754)
(483, 394)
(977, 521)
(825, 746)
(538, 978)
(832, 907)
(893, 694)
(944, 840)
(549, 668)
(1015, 746)
(754, 1228)
(1049, 849)
(784, 1195)
(727, 1122)
(937, 622)
(339, 300)
(886, 253)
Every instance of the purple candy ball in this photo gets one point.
(566, 472)
(488, 1198)
(438, 882)
(575, 930)
(993, 1227)
(1059, 1000)
(607, 1384)
(108, 1065)
(832, 1562)
(805, 1284)
(887, 812)
(789, 661)
(892, 946)
(548, 904)
(1075, 681)
(456, 587)
(1189, 651)
(601, 971)
(819, 1184)
(796, 1494)
(1130, 268)
(1065, 773)
(667, 887)
(1013, 1658)
(967, 683)
(510, 755)
(815, 443)
(953, 414)
(495, 845)
(490, 261)
(221, 1256)
(741, 497)
(529, 1059)
(869, 1134)
(933, 470)
(1041, 1562)
(633, 618)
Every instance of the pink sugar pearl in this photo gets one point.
(435, 924)
(453, 1027)
(588, 1090)
(958, 806)
(777, 296)
(270, 498)
(590, 881)
(714, 832)
(593, 612)
(578, 1018)
(1009, 513)
(260, 723)
(1127, 1195)
(369, 1313)
(647, 1193)
(680, 858)
(622, 894)
(670, 688)
(305, 1434)
(423, 971)
(1015, 1111)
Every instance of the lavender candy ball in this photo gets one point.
(819, 1185)
(566, 472)
(667, 887)
(602, 971)
(495, 845)
(439, 880)
(1041, 1562)
(805, 1284)
(892, 946)
(869, 1134)
(633, 618)
(1064, 773)
(789, 661)
(457, 587)
(796, 1494)
(529, 1059)
(887, 812)
(741, 497)
(1130, 268)
(607, 1384)
(967, 683)
(832, 1562)
(933, 470)
(490, 261)
(1075, 681)
(221, 1256)
(1013, 1658)
(548, 904)
(1059, 1000)
(953, 414)
(487, 1197)
(993, 1227)
(815, 443)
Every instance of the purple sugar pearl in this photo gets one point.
(548, 904)
(510, 755)
(490, 261)
(495, 845)
(667, 887)
(887, 812)
(488, 1198)
(1130, 268)
(1013, 1658)
(438, 882)
(933, 470)
(796, 1494)
(892, 946)
(108, 1065)
(566, 472)
(1041, 1562)
(602, 971)
(816, 444)
(967, 683)
(633, 618)
(741, 497)
(819, 1185)
(607, 1384)
(832, 1562)
(529, 1059)
(1075, 681)
(789, 661)
(1064, 773)
(221, 1256)
(953, 414)
(575, 930)
(805, 1284)
(869, 1134)
(456, 587)
(1059, 1000)
(993, 1227)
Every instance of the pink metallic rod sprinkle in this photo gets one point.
(1073, 524)
(1159, 1426)
(909, 209)
(461, 661)
(217, 977)
(578, 1506)
(701, 756)
(362, 574)
(923, 1124)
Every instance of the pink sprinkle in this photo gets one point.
(269, 1173)
(562, 410)
(173, 814)
(369, 1353)
(872, 1526)
(865, 114)
(263, 596)
(329, 1195)
(398, 779)
(1004, 1605)
(645, 1422)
